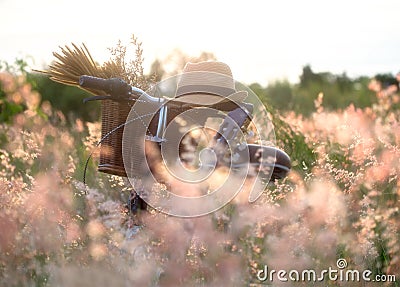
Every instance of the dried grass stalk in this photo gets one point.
(72, 62)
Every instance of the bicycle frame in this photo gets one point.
(237, 115)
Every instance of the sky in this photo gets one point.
(262, 41)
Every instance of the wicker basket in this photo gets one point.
(75, 61)
(113, 114)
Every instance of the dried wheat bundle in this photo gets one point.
(73, 62)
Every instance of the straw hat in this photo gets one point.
(207, 83)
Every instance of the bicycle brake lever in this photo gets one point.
(96, 98)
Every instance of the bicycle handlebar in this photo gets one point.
(115, 87)
(119, 90)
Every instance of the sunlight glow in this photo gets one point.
(260, 40)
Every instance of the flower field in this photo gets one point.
(340, 201)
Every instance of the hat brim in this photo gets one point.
(203, 99)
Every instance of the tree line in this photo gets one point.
(338, 91)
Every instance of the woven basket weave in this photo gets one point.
(113, 115)
(113, 119)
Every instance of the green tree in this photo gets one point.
(67, 99)
(281, 95)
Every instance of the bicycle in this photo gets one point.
(161, 112)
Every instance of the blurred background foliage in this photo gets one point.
(65, 98)
(339, 92)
